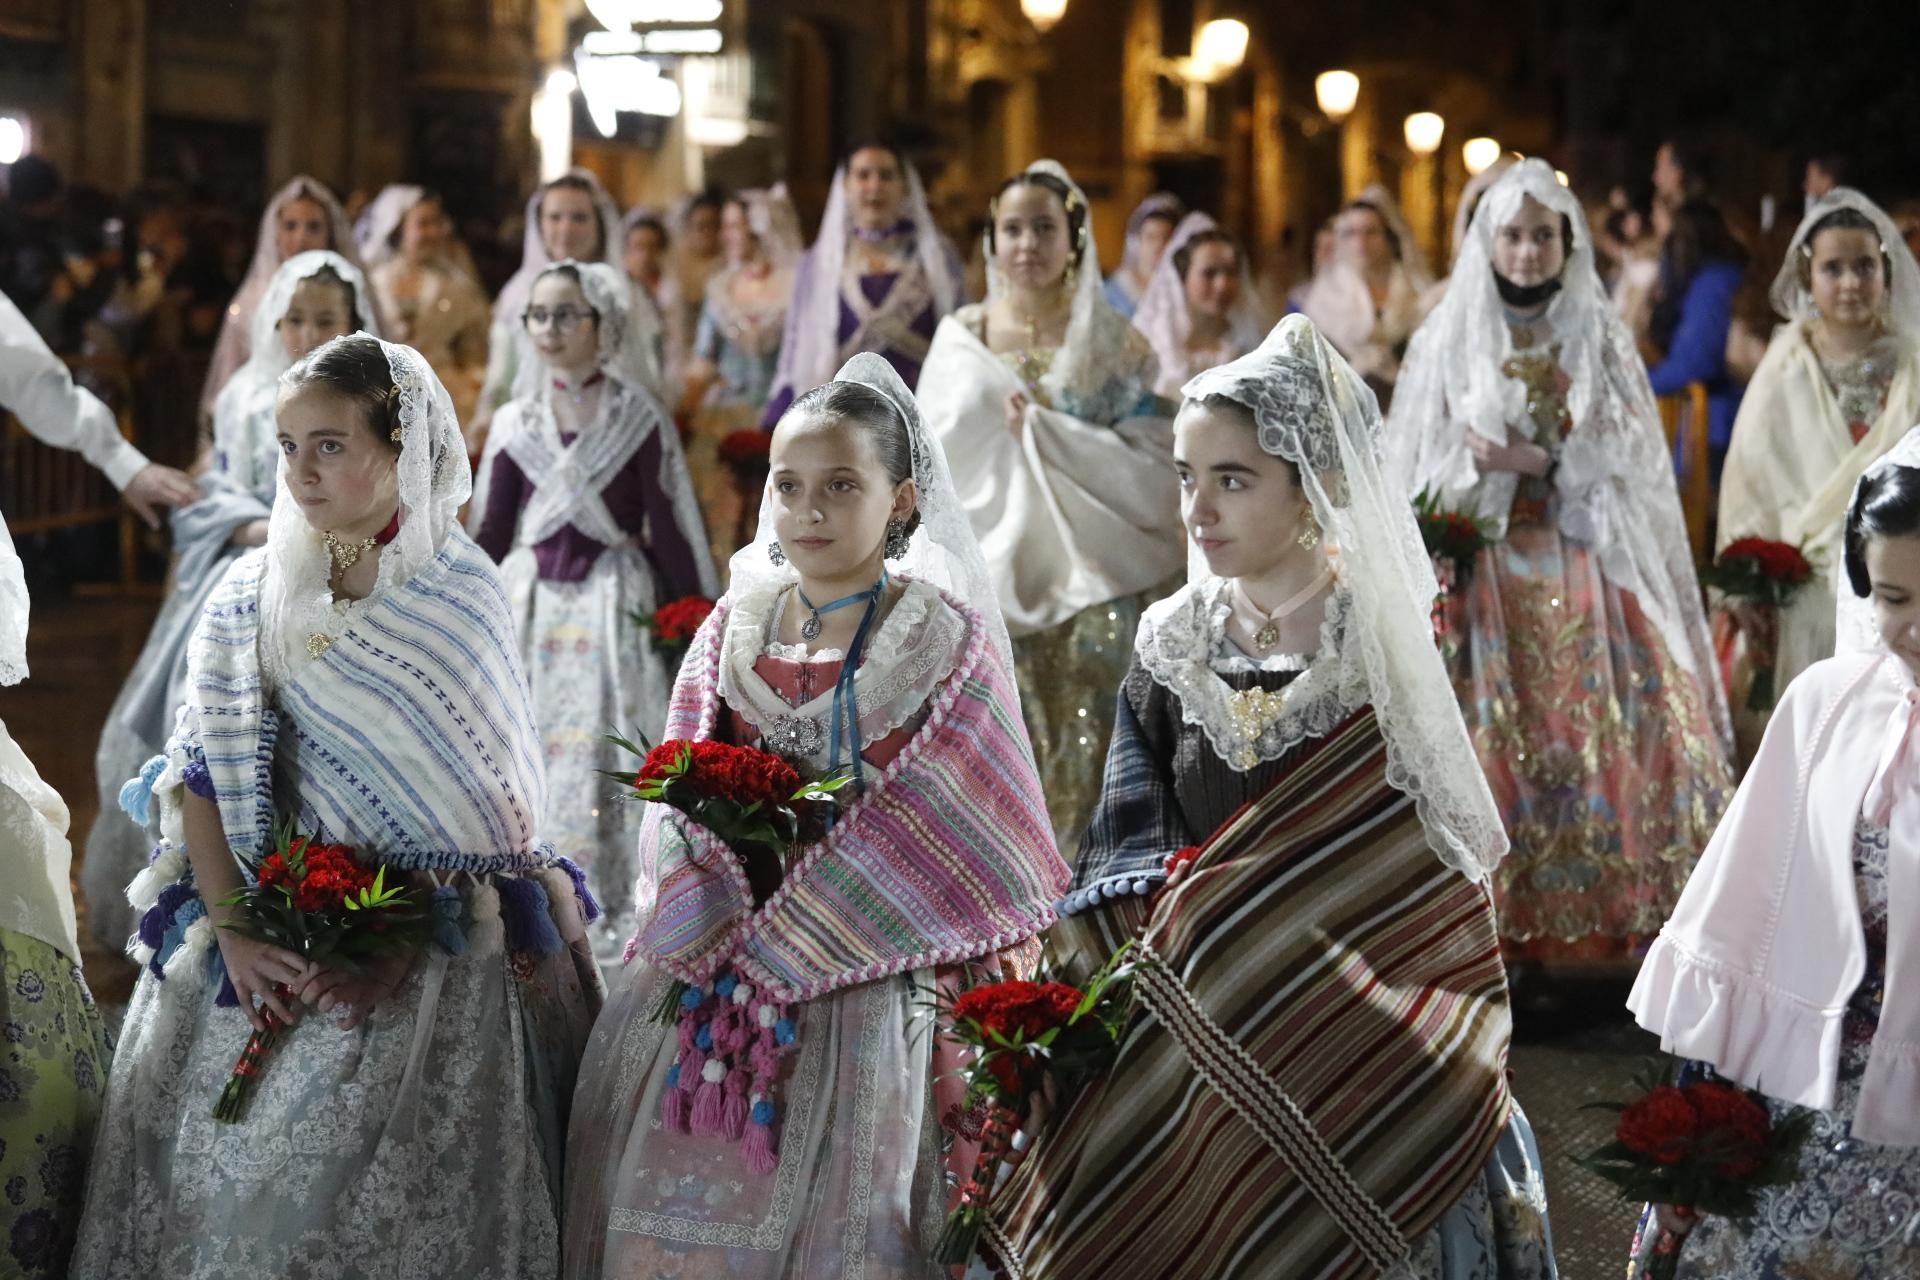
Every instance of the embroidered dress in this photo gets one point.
(235, 491)
(741, 340)
(1853, 1211)
(1077, 512)
(592, 525)
(429, 1140)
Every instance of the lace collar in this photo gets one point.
(916, 646)
(1180, 647)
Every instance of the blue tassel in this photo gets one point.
(589, 905)
(156, 924)
(724, 986)
(177, 933)
(691, 998)
(704, 1038)
(762, 1113)
(783, 1031)
(527, 913)
(136, 794)
(449, 928)
(198, 780)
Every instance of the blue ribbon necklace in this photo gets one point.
(845, 709)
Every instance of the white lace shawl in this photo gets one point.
(917, 645)
(1310, 408)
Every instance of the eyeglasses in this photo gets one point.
(559, 319)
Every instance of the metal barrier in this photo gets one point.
(44, 489)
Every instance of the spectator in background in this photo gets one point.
(1825, 171)
(1906, 218)
(1680, 171)
(31, 256)
(1634, 246)
(1701, 269)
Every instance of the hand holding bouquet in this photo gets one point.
(317, 902)
(1028, 1038)
(1758, 577)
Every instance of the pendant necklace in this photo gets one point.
(810, 629)
(345, 555)
(1269, 633)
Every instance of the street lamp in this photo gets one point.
(1480, 154)
(1043, 13)
(1336, 92)
(13, 139)
(1219, 48)
(1423, 130)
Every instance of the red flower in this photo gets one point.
(1778, 561)
(1662, 1126)
(746, 448)
(1733, 1127)
(1180, 859)
(719, 770)
(676, 621)
(274, 871)
(1009, 1069)
(1027, 1008)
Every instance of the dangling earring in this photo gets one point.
(897, 539)
(1309, 533)
(775, 553)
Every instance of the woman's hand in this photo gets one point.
(1675, 1219)
(1525, 458)
(255, 968)
(1017, 412)
(327, 989)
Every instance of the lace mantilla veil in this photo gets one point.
(1310, 408)
(1615, 480)
(943, 551)
(1790, 294)
(434, 481)
(1163, 314)
(1855, 630)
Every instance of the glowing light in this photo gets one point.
(1043, 13)
(624, 83)
(1423, 130)
(1336, 92)
(1560, 176)
(13, 139)
(1220, 48)
(553, 123)
(617, 14)
(1480, 154)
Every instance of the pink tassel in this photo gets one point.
(673, 1109)
(734, 1115)
(758, 1151)
(709, 1109)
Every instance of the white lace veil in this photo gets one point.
(774, 221)
(1095, 331)
(1161, 204)
(375, 230)
(434, 482)
(811, 347)
(1163, 314)
(1792, 297)
(1856, 630)
(1310, 408)
(943, 550)
(1615, 481)
(267, 357)
(621, 353)
(1411, 256)
(534, 257)
(1470, 197)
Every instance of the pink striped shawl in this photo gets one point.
(947, 856)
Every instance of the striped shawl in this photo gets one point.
(947, 856)
(1321, 1071)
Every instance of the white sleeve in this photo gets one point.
(36, 387)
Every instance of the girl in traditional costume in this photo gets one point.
(1200, 310)
(585, 502)
(1788, 966)
(1576, 637)
(1839, 385)
(736, 352)
(1295, 838)
(53, 1070)
(429, 295)
(312, 297)
(878, 278)
(570, 219)
(1149, 227)
(1042, 399)
(356, 679)
(1368, 300)
(301, 216)
(789, 1119)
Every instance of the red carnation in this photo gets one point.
(1662, 1126)
(676, 622)
(1733, 1127)
(746, 448)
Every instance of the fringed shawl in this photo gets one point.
(947, 856)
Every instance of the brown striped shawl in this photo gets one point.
(1321, 1069)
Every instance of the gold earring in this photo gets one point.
(1309, 533)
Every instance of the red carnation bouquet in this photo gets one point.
(1454, 540)
(1703, 1147)
(317, 901)
(1027, 1037)
(673, 625)
(745, 453)
(1758, 577)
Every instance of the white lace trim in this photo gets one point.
(1178, 644)
(916, 647)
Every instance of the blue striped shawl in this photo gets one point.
(412, 738)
